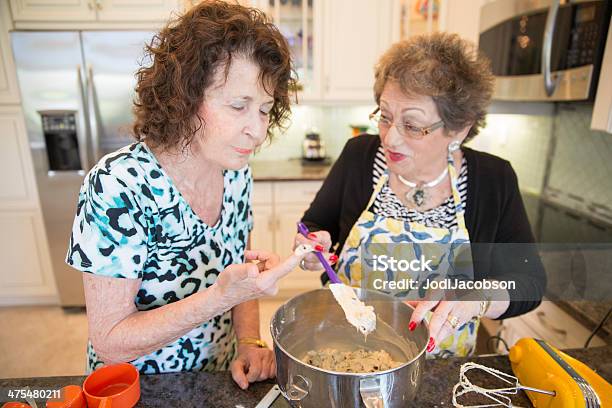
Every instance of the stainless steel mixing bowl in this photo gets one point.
(313, 321)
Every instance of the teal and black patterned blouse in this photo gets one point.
(133, 223)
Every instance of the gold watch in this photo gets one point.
(253, 340)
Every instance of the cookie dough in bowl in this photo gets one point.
(359, 361)
(320, 357)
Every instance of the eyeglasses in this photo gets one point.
(404, 129)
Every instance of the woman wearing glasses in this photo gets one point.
(416, 182)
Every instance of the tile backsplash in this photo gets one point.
(332, 122)
(580, 168)
(582, 163)
(521, 139)
(580, 173)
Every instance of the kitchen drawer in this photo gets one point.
(299, 281)
(262, 193)
(512, 330)
(302, 192)
(558, 327)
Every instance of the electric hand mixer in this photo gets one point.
(554, 379)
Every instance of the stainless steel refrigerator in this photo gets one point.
(77, 90)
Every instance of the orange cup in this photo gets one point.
(72, 398)
(116, 386)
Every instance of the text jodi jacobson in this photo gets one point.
(421, 267)
(442, 284)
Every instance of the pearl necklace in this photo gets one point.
(417, 194)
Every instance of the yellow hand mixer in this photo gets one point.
(550, 378)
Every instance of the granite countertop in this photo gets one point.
(200, 389)
(589, 313)
(289, 170)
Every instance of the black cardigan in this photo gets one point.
(494, 214)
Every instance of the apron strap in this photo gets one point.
(379, 185)
(459, 210)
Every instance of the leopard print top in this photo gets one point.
(133, 223)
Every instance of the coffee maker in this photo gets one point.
(313, 148)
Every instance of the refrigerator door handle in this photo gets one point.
(84, 126)
(94, 116)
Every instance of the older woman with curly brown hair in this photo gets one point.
(417, 183)
(162, 225)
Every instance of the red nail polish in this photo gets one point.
(412, 326)
(312, 235)
(319, 248)
(333, 258)
(431, 345)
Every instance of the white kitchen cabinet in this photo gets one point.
(17, 185)
(9, 91)
(136, 10)
(262, 236)
(335, 43)
(355, 34)
(298, 280)
(296, 192)
(53, 10)
(286, 218)
(25, 274)
(549, 323)
(602, 109)
(277, 207)
(300, 23)
(86, 14)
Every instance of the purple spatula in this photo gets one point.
(303, 229)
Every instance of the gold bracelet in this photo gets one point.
(253, 340)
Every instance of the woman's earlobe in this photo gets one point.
(465, 132)
(460, 134)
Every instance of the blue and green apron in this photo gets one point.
(372, 228)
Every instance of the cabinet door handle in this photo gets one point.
(548, 326)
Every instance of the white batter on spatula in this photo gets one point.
(356, 312)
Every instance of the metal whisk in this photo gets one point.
(499, 397)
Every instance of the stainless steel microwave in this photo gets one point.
(545, 50)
